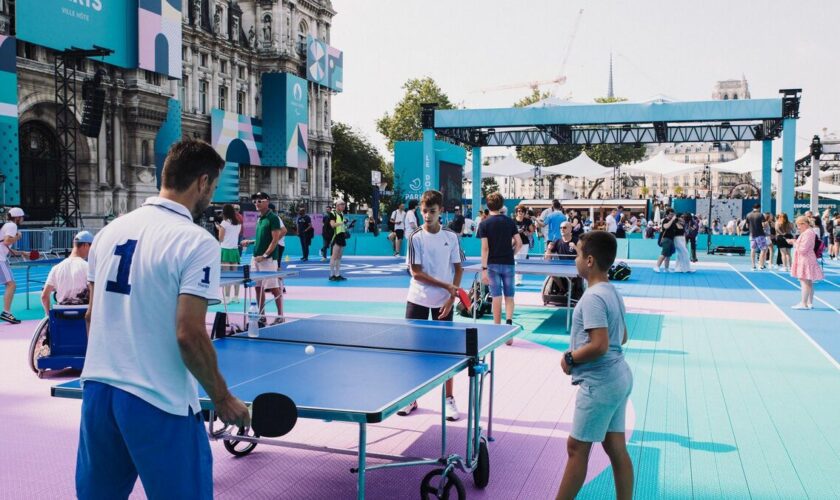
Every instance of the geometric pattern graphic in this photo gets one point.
(168, 134)
(227, 191)
(285, 120)
(237, 138)
(9, 153)
(324, 64)
(159, 36)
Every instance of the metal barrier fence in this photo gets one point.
(47, 239)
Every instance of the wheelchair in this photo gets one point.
(60, 340)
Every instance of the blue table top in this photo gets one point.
(362, 370)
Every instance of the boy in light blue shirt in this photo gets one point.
(596, 363)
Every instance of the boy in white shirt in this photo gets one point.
(9, 235)
(434, 259)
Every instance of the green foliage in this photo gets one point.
(353, 159)
(488, 185)
(404, 124)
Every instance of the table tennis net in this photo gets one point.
(386, 334)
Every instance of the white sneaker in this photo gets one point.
(656, 270)
(809, 306)
(451, 410)
(408, 409)
(799, 306)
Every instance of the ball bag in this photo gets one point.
(619, 271)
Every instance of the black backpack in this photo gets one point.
(619, 271)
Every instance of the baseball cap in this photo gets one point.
(260, 195)
(16, 212)
(83, 237)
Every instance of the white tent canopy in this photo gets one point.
(508, 167)
(747, 163)
(823, 189)
(662, 165)
(581, 166)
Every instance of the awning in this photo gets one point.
(581, 166)
(823, 188)
(508, 167)
(661, 165)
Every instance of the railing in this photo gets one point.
(56, 239)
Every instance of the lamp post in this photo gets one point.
(709, 225)
(538, 180)
(3, 181)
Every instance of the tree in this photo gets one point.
(353, 159)
(488, 185)
(404, 124)
(608, 155)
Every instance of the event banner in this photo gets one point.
(168, 134)
(227, 191)
(237, 138)
(9, 156)
(324, 64)
(159, 33)
(62, 24)
(285, 120)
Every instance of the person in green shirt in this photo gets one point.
(339, 240)
(268, 250)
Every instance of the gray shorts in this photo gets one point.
(600, 407)
(5, 272)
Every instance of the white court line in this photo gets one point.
(800, 288)
(795, 326)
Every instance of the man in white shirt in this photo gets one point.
(69, 278)
(152, 273)
(9, 235)
(411, 223)
(434, 260)
(398, 220)
(612, 223)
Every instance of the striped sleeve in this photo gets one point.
(456, 255)
(415, 254)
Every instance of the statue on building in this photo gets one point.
(235, 34)
(197, 12)
(252, 38)
(217, 20)
(267, 29)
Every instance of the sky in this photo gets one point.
(676, 48)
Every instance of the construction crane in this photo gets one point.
(561, 78)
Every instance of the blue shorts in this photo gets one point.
(501, 279)
(122, 436)
(600, 407)
(758, 243)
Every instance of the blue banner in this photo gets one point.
(285, 120)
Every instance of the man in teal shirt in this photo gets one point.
(268, 250)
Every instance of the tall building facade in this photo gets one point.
(227, 46)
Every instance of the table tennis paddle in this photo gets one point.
(34, 255)
(273, 415)
(464, 297)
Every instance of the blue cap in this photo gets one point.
(83, 237)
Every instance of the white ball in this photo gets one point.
(309, 349)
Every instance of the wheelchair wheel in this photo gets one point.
(240, 448)
(39, 347)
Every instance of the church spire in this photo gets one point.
(610, 93)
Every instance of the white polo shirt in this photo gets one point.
(140, 263)
(398, 216)
(69, 278)
(436, 253)
(8, 229)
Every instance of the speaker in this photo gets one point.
(94, 104)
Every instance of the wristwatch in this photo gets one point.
(569, 359)
(483, 268)
(265, 256)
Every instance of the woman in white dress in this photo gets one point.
(683, 257)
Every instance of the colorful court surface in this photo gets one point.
(735, 395)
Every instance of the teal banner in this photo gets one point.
(285, 120)
(62, 24)
(408, 169)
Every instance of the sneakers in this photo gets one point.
(340, 278)
(657, 270)
(451, 410)
(7, 316)
(323, 259)
(408, 409)
(800, 306)
(333, 278)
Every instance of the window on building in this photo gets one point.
(151, 77)
(223, 66)
(720, 157)
(708, 157)
(725, 97)
(240, 102)
(203, 60)
(182, 89)
(202, 96)
(292, 175)
(303, 29)
(735, 97)
(242, 72)
(26, 50)
(304, 175)
(144, 153)
(686, 159)
(222, 97)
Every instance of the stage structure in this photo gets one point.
(622, 124)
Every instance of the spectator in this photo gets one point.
(565, 245)
(666, 241)
(805, 265)
(611, 222)
(692, 228)
(620, 219)
(577, 226)
(497, 253)
(836, 234)
(784, 232)
(269, 244)
(553, 220)
(525, 227)
(230, 231)
(469, 228)
(758, 239)
(683, 259)
(337, 220)
(411, 222)
(326, 234)
(9, 235)
(398, 221)
(305, 232)
(770, 235)
(457, 222)
(541, 225)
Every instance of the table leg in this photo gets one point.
(490, 410)
(569, 305)
(28, 268)
(443, 420)
(360, 493)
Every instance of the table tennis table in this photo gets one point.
(363, 371)
(250, 279)
(539, 265)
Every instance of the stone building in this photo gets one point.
(227, 46)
